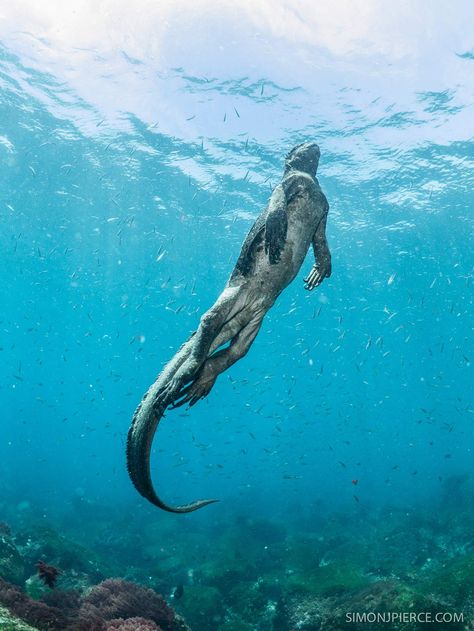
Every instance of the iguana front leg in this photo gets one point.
(322, 266)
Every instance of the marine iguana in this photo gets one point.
(270, 258)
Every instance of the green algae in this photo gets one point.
(327, 580)
(227, 567)
(35, 588)
(303, 553)
(455, 579)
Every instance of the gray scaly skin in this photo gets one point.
(270, 258)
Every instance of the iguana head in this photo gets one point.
(304, 157)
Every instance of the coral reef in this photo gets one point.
(250, 574)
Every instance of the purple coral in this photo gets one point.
(114, 605)
(87, 622)
(116, 598)
(132, 624)
(37, 613)
(67, 601)
(59, 612)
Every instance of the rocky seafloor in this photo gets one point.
(240, 573)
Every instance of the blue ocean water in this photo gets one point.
(138, 145)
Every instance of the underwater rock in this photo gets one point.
(5, 530)
(389, 596)
(202, 606)
(10, 623)
(337, 613)
(228, 566)
(455, 580)
(12, 566)
(236, 625)
(43, 542)
(68, 582)
(457, 489)
(301, 612)
(249, 600)
(132, 624)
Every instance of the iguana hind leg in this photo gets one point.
(218, 362)
(209, 328)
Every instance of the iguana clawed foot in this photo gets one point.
(197, 389)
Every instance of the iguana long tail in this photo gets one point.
(141, 433)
